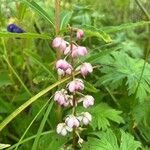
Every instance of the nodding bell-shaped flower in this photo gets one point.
(85, 69)
(85, 117)
(71, 121)
(79, 51)
(76, 85)
(88, 101)
(63, 67)
(59, 43)
(63, 129)
(80, 34)
(61, 97)
(68, 49)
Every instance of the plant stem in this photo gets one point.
(74, 93)
(147, 48)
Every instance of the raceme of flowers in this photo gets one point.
(71, 95)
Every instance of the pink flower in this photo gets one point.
(80, 34)
(82, 51)
(71, 121)
(85, 69)
(63, 67)
(63, 129)
(78, 51)
(68, 49)
(85, 117)
(76, 85)
(59, 43)
(88, 101)
(61, 97)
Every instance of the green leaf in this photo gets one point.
(64, 19)
(128, 142)
(2, 146)
(4, 79)
(123, 67)
(30, 101)
(99, 34)
(108, 141)
(125, 26)
(102, 115)
(89, 87)
(24, 35)
(112, 29)
(39, 10)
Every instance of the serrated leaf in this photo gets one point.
(123, 67)
(103, 114)
(128, 142)
(108, 141)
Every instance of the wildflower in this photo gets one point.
(85, 117)
(79, 51)
(76, 85)
(59, 43)
(85, 69)
(61, 97)
(63, 67)
(80, 34)
(71, 121)
(88, 101)
(14, 28)
(63, 129)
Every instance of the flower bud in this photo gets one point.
(59, 43)
(71, 121)
(63, 67)
(62, 129)
(88, 101)
(85, 69)
(80, 34)
(76, 85)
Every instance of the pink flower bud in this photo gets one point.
(85, 69)
(63, 67)
(85, 117)
(61, 97)
(80, 34)
(88, 101)
(76, 85)
(72, 121)
(59, 43)
(62, 129)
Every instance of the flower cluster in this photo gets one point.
(70, 95)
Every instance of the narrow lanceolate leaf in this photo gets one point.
(64, 19)
(30, 101)
(125, 26)
(24, 35)
(39, 10)
(99, 34)
(2, 146)
(111, 29)
(108, 141)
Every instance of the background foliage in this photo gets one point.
(117, 37)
